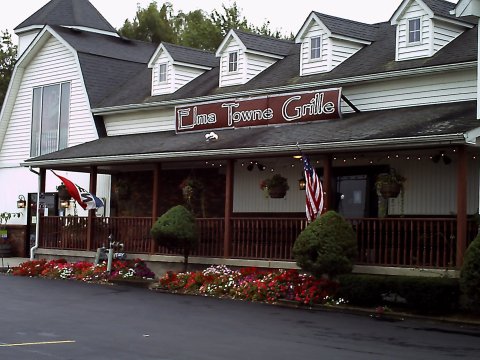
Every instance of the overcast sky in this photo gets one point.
(285, 16)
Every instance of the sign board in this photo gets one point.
(265, 110)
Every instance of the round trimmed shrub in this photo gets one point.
(470, 277)
(327, 246)
(176, 229)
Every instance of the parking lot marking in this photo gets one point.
(39, 343)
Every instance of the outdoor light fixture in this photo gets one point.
(64, 204)
(302, 183)
(21, 203)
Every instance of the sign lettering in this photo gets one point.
(265, 110)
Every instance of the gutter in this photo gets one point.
(37, 228)
(378, 144)
(333, 82)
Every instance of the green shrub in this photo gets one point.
(176, 230)
(470, 277)
(426, 295)
(326, 246)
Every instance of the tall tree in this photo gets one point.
(151, 24)
(194, 29)
(8, 54)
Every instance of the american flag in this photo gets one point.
(313, 190)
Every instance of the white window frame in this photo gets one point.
(47, 141)
(233, 61)
(316, 49)
(415, 31)
(162, 72)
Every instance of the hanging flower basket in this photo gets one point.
(275, 187)
(389, 185)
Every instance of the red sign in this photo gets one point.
(265, 110)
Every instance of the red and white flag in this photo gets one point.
(313, 190)
(85, 199)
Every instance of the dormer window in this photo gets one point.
(162, 73)
(315, 45)
(414, 35)
(232, 61)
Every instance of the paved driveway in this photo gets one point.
(53, 319)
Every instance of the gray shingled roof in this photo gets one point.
(451, 119)
(441, 7)
(264, 44)
(350, 28)
(107, 62)
(191, 55)
(68, 13)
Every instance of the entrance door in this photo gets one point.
(352, 196)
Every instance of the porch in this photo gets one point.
(395, 241)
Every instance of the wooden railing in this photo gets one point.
(419, 242)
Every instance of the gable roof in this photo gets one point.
(79, 13)
(348, 28)
(190, 55)
(265, 44)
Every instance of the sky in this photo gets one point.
(287, 17)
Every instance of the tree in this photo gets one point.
(193, 29)
(176, 230)
(326, 246)
(8, 54)
(151, 24)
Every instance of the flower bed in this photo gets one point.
(251, 284)
(84, 271)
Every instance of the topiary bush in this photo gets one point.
(176, 229)
(326, 246)
(470, 277)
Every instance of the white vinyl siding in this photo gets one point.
(342, 50)
(162, 87)
(53, 64)
(140, 122)
(182, 75)
(232, 78)
(313, 66)
(444, 33)
(420, 90)
(256, 64)
(406, 50)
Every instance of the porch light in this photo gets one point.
(21, 203)
(302, 183)
(64, 204)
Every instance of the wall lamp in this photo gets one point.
(21, 202)
(302, 183)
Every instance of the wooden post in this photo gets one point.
(41, 214)
(327, 183)
(227, 238)
(461, 205)
(155, 202)
(91, 213)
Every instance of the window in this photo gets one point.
(315, 44)
(50, 116)
(414, 31)
(232, 61)
(162, 73)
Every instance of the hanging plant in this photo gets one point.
(190, 187)
(389, 185)
(275, 187)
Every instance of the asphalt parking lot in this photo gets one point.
(55, 319)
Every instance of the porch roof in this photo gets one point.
(420, 126)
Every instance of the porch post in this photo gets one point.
(227, 237)
(155, 195)
(40, 212)
(327, 182)
(91, 213)
(461, 205)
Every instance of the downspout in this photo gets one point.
(37, 228)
